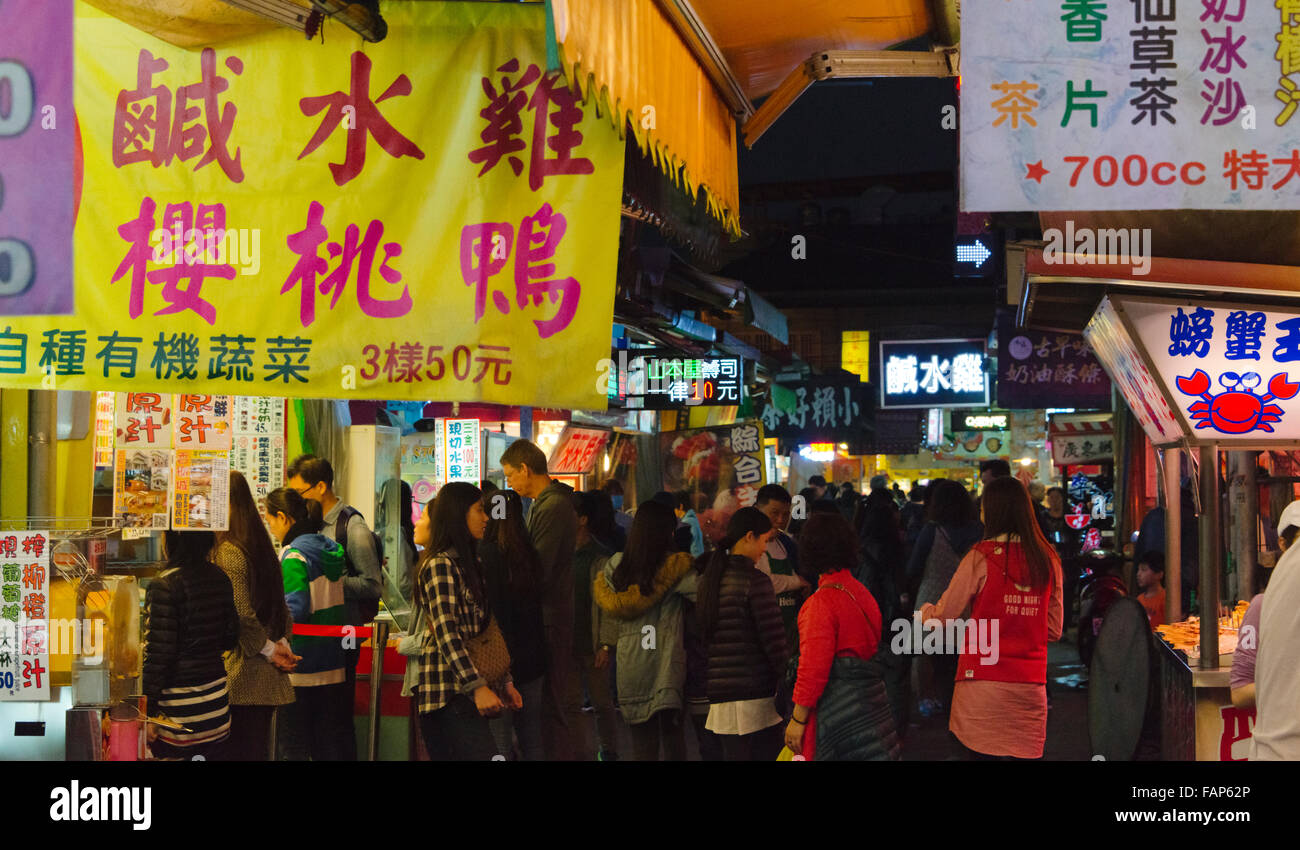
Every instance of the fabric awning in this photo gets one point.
(764, 40)
(630, 58)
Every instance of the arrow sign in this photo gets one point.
(974, 253)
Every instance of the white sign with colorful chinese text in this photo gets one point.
(24, 616)
(1232, 371)
(1145, 104)
(202, 422)
(144, 420)
(463, 455)
(258, 416)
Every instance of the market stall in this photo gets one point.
(1202, 377)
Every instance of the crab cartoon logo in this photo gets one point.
(1236, 410)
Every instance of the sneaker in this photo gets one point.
(606, 755)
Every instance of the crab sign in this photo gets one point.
(1236, 410)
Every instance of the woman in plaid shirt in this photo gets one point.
(455, 701)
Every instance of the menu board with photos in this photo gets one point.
(201, 491)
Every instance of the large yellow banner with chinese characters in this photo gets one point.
(430, 217)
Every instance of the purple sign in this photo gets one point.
(36, 157)
(1042, 369)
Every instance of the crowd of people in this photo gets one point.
(539, 615)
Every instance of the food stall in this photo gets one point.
(1201, 377)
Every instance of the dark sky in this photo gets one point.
(848, 128)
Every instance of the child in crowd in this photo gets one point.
(1151, 583)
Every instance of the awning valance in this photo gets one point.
(631, 59)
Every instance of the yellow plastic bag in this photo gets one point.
(786, 754)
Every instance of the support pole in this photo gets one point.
(1248, 522)
(42, 478)
(1173, 536)
(378, 643)
(1211, 555)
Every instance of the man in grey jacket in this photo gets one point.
(553, 528)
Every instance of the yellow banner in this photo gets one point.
(430, 217)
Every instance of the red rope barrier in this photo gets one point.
(308, 630)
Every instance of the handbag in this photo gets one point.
(489, 654)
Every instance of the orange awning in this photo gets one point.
(764, 40)
(629, 56)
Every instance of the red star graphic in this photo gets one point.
(1035, 171)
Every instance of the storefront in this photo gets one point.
(1199, 354)
(224, 287)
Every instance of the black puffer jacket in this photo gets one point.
(190, 620)
(747, 650)
(854, 720)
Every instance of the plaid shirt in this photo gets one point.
(454, 616)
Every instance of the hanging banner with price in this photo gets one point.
(24, 616)
(577, 450)
(1150, 104)
(435, 219)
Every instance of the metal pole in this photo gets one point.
(1249, 524)
(1211, 555)
(1173, 536)
(42, 420)
(378, 643)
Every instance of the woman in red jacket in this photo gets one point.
(839, 630)
(1011, 584)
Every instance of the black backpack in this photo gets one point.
(366, 608)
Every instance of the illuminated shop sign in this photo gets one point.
(933, 373)
(663, 380)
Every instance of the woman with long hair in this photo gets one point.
(317, 725)
(1011, 584)
(642, 589)
(452, 596)
(952, 527)
(258, 668)
(745, 634)
(190, 621)
(841, 710)
(512, 579)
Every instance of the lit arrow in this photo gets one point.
(974, 253)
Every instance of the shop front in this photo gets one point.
(1208, 378)
(224, 287)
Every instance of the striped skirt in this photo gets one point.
(203, 709)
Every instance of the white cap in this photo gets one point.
(1290, 516)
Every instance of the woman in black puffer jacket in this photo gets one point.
(190, 621)
(745, 634)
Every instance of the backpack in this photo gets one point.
(366, 608)
(940, 567)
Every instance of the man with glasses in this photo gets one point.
(313, 478)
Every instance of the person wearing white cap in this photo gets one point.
(1277, 668)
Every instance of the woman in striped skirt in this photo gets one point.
(190, 621)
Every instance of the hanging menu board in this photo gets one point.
(258, 444)
(24, 616)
